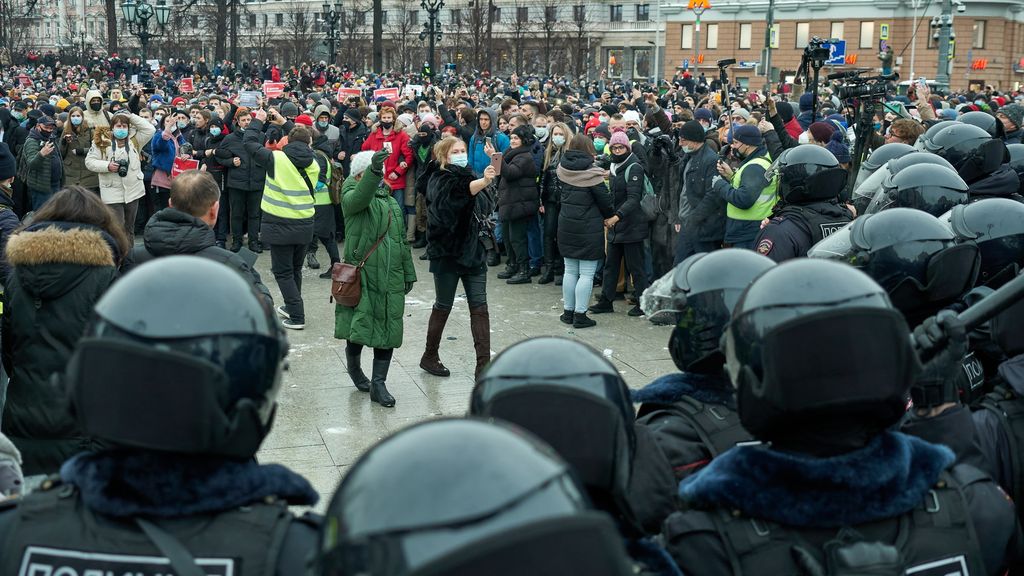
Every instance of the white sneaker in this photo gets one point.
(293, 325)
(282, 312)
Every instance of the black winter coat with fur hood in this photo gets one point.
(59, 271)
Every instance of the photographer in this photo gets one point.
(41, 163)
(115, 157)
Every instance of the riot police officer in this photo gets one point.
(825, 496)
(810, 180)
(996, 226)
(931, 188)
(576, 401)
(979, 158)
(871, 188)
(458, 497)
(692, 413)
(179, 373)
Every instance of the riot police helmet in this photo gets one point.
(808, 173)
(928, 187)
(872, 186)
(1017, 160)
(985, 121)
(705, 288)
(970, 149)
(913, 255)
(182, 356)
(996, 225)
(879, 157)
(788, 354)
(464, 496)
(924, 140)
(1007, 330)
(574, 399)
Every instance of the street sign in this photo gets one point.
(743, 64)
(686, 63)
(836, 53)
(773, 36)
(883, 34)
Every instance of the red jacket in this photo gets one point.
(400, 152)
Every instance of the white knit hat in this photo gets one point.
(360, 162)
(405, 119)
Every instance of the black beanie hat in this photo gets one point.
(354, 115)
(785, 110)
(692, 131)
(8, 167)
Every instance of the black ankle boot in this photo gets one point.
(378, 391)
(509, 271)
(355, 371)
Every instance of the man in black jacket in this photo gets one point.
(701, 212)
(244, 183)
(186, 228)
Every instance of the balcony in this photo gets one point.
(645, 26)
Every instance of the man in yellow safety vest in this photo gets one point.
(749, 193)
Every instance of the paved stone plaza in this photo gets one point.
(323, 423)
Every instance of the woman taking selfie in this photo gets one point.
(455, 210)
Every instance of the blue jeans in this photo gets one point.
(578, 283)
(535, 241)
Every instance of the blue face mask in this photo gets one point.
(120, 133)
(76, 120)
(322, 124)
(878, 126)
(182, 124)
(558, 140)
(154, 105)
(460, 159)
(214, 131)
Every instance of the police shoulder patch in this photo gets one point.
(765, 246)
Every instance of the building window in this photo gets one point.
(414, 17)
(979, 34)
(384, 17)
(279, 19)
(195, 21)
(615, 63)
(712, 36)
(615, 13)
(745, 32)
(456, 16)
(497, 14)
(837, 30)
(551, 13)
(360, 18)
(803, 34)
(686, 37)
(265, 23)
(523, 14)
(579, 12)
(643, 13)
(252, 20)
(300, 19)
(642, 63)
(867, 34)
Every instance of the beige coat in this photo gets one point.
(113, 188)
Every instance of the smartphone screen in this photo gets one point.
(496, 163)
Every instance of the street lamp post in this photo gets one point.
(137, 14)
(697, 11)
(431, 31)
(332, 16)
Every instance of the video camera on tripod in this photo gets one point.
(855, 86)
(816, 53)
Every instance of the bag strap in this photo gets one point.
(377, 243)
(181, 559)
(305, 178)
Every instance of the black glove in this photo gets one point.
(408, 286)
(941, 344)
(377, 161)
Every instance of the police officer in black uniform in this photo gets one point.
(929, 187)
(836, 491)
(179, 373)
(810, 181)
(996, 225)
(980, 159)
(575, 400)
(692, 413)
(455, 497)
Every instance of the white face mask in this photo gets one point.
(804, 138)
(460, 159)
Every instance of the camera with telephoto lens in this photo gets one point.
(122, 168)
(863, 88)
(816, 50)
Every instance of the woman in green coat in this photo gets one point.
(387, 276)
(75, 141)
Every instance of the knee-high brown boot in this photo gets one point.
(480, 326)
(430, 361)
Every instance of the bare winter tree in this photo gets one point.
(213, 14)
(352, 27)
(112, 12)
(403, 30)
(519, 30)
(261, 39)
(301, 36)
(15, 26)
(552, 28)
(477, 21)
(580, 40)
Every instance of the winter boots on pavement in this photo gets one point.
(430, 361)
(378, 391)
(355, 371)
(480, 326)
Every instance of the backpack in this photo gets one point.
(649, 200)
(1008, 408)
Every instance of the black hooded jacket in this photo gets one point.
(14, 134)
(171, 232)
(1003, 183)
(585, 203)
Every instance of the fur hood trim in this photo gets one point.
(580, 178)
(83, 245)
(886, 478)
(671, 388)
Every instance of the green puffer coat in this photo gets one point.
(377, 320)
(73, 152)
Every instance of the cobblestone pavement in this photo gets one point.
(323, 423)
